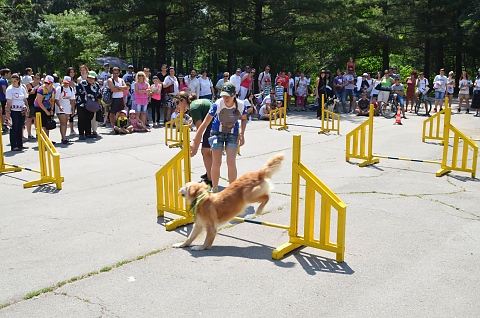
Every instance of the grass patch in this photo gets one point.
(106, 269)
(92, 273)
(4, 305)
(140, 257)
(38, 292)
(73, 279)
(60, 284)
(122, 263)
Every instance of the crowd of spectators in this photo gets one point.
(129, 102)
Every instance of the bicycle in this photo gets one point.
(389, 109)
(422, 106)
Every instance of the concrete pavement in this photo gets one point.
(411, 244)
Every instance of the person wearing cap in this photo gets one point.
(105, 75)
(87, 89)
(137, 124)
(361, 86)
(236, 79)
(476, 95)
(45, 101)
(182, 86)
(64, 105)
(198, 109)
(17, 109)
(264, 112)
(226, 132)
(279, 91)
(220, 83)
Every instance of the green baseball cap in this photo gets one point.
(92, 74)
(228, 89)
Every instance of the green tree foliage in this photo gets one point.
(224, 34)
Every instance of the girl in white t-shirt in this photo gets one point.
(464, 91)
(64, 106)
(16, 109)
(450, 87)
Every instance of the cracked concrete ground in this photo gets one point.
(412, 243)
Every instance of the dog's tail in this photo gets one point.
(272, 165)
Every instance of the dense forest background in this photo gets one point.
(307, 35)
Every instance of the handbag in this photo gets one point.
(92, 105)
(170, 89)
(51, 123)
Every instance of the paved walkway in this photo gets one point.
(97, 249)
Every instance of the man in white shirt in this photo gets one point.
(264, 78)
(192, 82)
(27, 78)
(105, 75)
(237, 80)
(440, 86)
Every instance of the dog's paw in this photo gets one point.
(176, 245)
(198, 248)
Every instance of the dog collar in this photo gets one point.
(196, 202)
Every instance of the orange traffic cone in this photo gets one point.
(398, 117)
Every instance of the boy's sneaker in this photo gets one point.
(82, 137)
(73, 132)
(31, 137)
(214, 189)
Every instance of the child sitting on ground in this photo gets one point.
(122, 124)
(187, 120)
(136, 123)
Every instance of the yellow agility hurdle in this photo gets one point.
(49, 161)
(433, 126)
(329, 118)
(359, 142)
(279, 120)
(173, 132)
(169, 180)
(360, 138)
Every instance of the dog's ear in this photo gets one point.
(197, 189)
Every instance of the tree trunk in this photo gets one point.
(257, 40)
(386, 54)
(161, 45)
(426, 54)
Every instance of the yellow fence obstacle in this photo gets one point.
(359, 145)
(170, 178)
(433, 126)
(173, 132)
(49, 161)
(359, 142)
(278, 116)
(330, 120)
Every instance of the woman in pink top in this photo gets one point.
(245, 84)
(156, 89)
(141, 91)
(182, 86)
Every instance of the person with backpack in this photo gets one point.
(88, 93)
(264, 78)
(44, 102)
(64, 106)
(117, 86)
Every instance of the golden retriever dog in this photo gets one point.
(216, 209)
